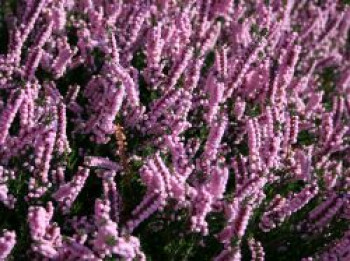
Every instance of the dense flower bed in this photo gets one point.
(174, 130)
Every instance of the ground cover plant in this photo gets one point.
(175, 130)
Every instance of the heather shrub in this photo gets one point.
(174, 130)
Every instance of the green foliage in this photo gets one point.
(15, 219)
(328, 79)
(253, 110)
(139, 60)
(208, 62)
(306, 138)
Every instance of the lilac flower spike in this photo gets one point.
(7, 242)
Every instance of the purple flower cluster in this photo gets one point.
(223, 96)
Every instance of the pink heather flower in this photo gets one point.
(67, 193)
(230, 253)
(7, 242)
(5, 197)
(256, 249)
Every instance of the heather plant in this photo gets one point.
(175, 130)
